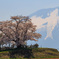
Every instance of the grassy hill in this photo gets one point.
(27, 53)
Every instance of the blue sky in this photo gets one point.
(24, 7)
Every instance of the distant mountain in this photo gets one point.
(47, 21)
(43, 12)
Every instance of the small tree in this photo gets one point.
(31, 46)
(19, 29)
(36, 45)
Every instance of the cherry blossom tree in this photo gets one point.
(18, 30)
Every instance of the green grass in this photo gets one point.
(25, 53)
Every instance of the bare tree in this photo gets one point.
(19, 29)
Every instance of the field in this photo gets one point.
(29, 53)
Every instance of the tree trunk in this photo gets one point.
(19, 46)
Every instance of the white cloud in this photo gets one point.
(51, 22)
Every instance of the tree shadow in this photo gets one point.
(23, 52)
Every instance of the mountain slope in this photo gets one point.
(47, 21)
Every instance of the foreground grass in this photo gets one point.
(27, 53)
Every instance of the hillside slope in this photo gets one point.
(30, 53)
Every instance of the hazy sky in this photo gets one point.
(24, 7)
